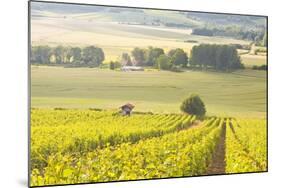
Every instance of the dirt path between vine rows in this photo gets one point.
(217, 165)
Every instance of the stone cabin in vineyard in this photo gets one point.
(127, 109)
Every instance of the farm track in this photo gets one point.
(217, 165)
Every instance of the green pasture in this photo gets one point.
(241, 93)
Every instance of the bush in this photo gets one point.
(163, 62)
(114, 65)
(193, 105)
(262, 67)
(260, 50)
(111, 65)
(241, 47)
(176, 68)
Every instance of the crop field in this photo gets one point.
(78, 146)
(250, 60)
(241, 93)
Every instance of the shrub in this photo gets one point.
(262, 67)
(176, 68)
(163, 62)
(193, 105)
(114, 65)
(260, 50)
(111, 65)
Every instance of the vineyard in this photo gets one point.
(80, 146)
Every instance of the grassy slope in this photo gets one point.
(241, 93)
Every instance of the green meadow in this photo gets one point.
(241, 93)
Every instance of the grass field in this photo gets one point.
(240, 93)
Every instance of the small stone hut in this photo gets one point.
(127, 109)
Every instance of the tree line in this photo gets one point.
(218, 57)
(88, 56)
(259, 37)
(203, 56)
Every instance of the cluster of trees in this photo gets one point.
(242, 46)
(144, 57)
(89, 56)
(219, 57)
(155, 57)
(256, 36)
(173, 60)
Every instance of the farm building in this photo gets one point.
(132, 68)
(127, 109)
